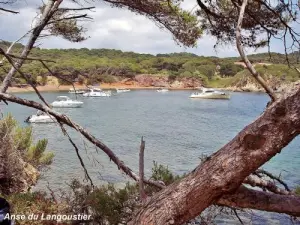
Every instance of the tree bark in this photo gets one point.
(253, 199)
(225, 170)
(141, 171)
(244, 57)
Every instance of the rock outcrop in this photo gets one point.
(145, 80)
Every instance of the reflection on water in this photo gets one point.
(177, 131)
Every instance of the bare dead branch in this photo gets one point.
(261, 171)
(237, 216)
(70, 18)
(78, 154)
(8, 10)
(76, 9)
(67, 121)
(141, 171)
(11, 45)
(58, 76)
(259, 182)
(244, 57)
(29, 58)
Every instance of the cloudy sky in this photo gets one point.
(114, 28)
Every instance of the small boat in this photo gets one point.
(66, 102)
(79, 91)
(162, 90)
(96, 92)
(209, 93)
(121, 90)
(40, 117)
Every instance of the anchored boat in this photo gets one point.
(78, 92)
(66, 102)
(209, 93)
(40, 117)
(121, 90)
(162, 90)
(96, 92)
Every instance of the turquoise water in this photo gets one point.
(177, 130)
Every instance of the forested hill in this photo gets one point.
(110, 65)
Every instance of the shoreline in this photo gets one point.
(55, 88)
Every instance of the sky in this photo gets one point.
(115, 28)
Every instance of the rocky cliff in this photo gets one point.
(145, 80)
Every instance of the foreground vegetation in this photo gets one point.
(22, 159)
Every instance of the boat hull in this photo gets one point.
(122, 91)
(67, 105)
(40, 119)
(77, 92)
(211, 96)
(97, 94)
(163, 91)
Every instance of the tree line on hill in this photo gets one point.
(110, 65)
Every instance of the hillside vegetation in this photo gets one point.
(92, 66)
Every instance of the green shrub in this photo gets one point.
(20, 156)
(104, 78)
(297, 190)
(172, 77)
(230, 69)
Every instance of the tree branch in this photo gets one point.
(141, 171)
(66, 120)
(12, 44)
(244, 57)
(70, 18)
(258, 182)
(8, 10)
(28, 58)
(224, 172)
(76, 9)
(268, 174)
(48, 12)
(259, 200)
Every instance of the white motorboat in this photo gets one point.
(121, 90)
(209, 93)
(40, 117)
(95, 92)
(66, 102)
(79, 91)
(162, 90)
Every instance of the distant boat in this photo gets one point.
(121, 90)
(40, 117)
(209, 93)
(162, 90)
(66, 102)
(96, 92)
(79, 91)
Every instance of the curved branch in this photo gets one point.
(261, 171)
(259, 200)
(66, 120)
(258, 182)
(244, 57)
(8, 10)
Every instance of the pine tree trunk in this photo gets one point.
(224, 172)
